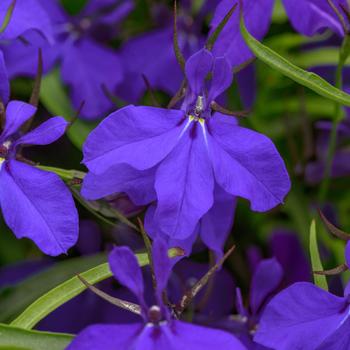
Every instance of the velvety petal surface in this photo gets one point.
(86, 68)
(127, 271)
(300, 317)
(190, 336)
(338, 340)
(4, 82)
(197, 68)
(257, 16)
(216, 224)
(138, 56)
(221, 78)
(106, 337)
(137, 184)
(17, 113)
(310, 17)
(46, 133)
(184, 185)
(26, 15)
(266, 278)
(247, 164)
(138, 136)
(37, 204)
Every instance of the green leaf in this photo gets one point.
(8, 16)
(282, 65)
(15, 298)
(59, 295)
(319, 280)
(53, 96)
(64, 174)
(12, 338)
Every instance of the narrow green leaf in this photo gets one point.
(53, 96)
(319, 280)
(15, 298)
(59, 295)
(8, 16)
(64, 173)
(282, 65)
(12, 338)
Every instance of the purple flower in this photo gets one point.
(35, 203)
(304, 316)
(27, 15)
(308, 17)
(185, 159)
(158, 330)
(87, 65)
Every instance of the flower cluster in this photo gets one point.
(182, 164)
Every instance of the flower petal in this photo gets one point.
(216, 224)
(310, 17)
(26, 15)
(137, 184)
(17, 113)
(86, 67)
(247, 164)
(197, 68)
(46, 133)
(4, 81)
(36, 204)
(300, 317)
(340, 339)
(257, 16)
(184, 185)
(138, 136)
(190, 336)
(266, 278)
(221, 79)
(127, 271)
(106, 337)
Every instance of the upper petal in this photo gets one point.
(184, 185)
(127, 271)
(46, 133)
(137, 184)
(221, 79)
(300, 317)
(247, 164)
(36, 204)
(17, 113)
(197, 68)
(267, 277)
(138, 136)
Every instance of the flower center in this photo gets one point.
(154, 314)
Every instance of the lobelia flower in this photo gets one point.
(158, 329)
(79, 49)
(190, 161)
(305, 316)
(308, 17)
(266, 279)
(35, 203)
(27, 17)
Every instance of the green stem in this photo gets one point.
(338, 117)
